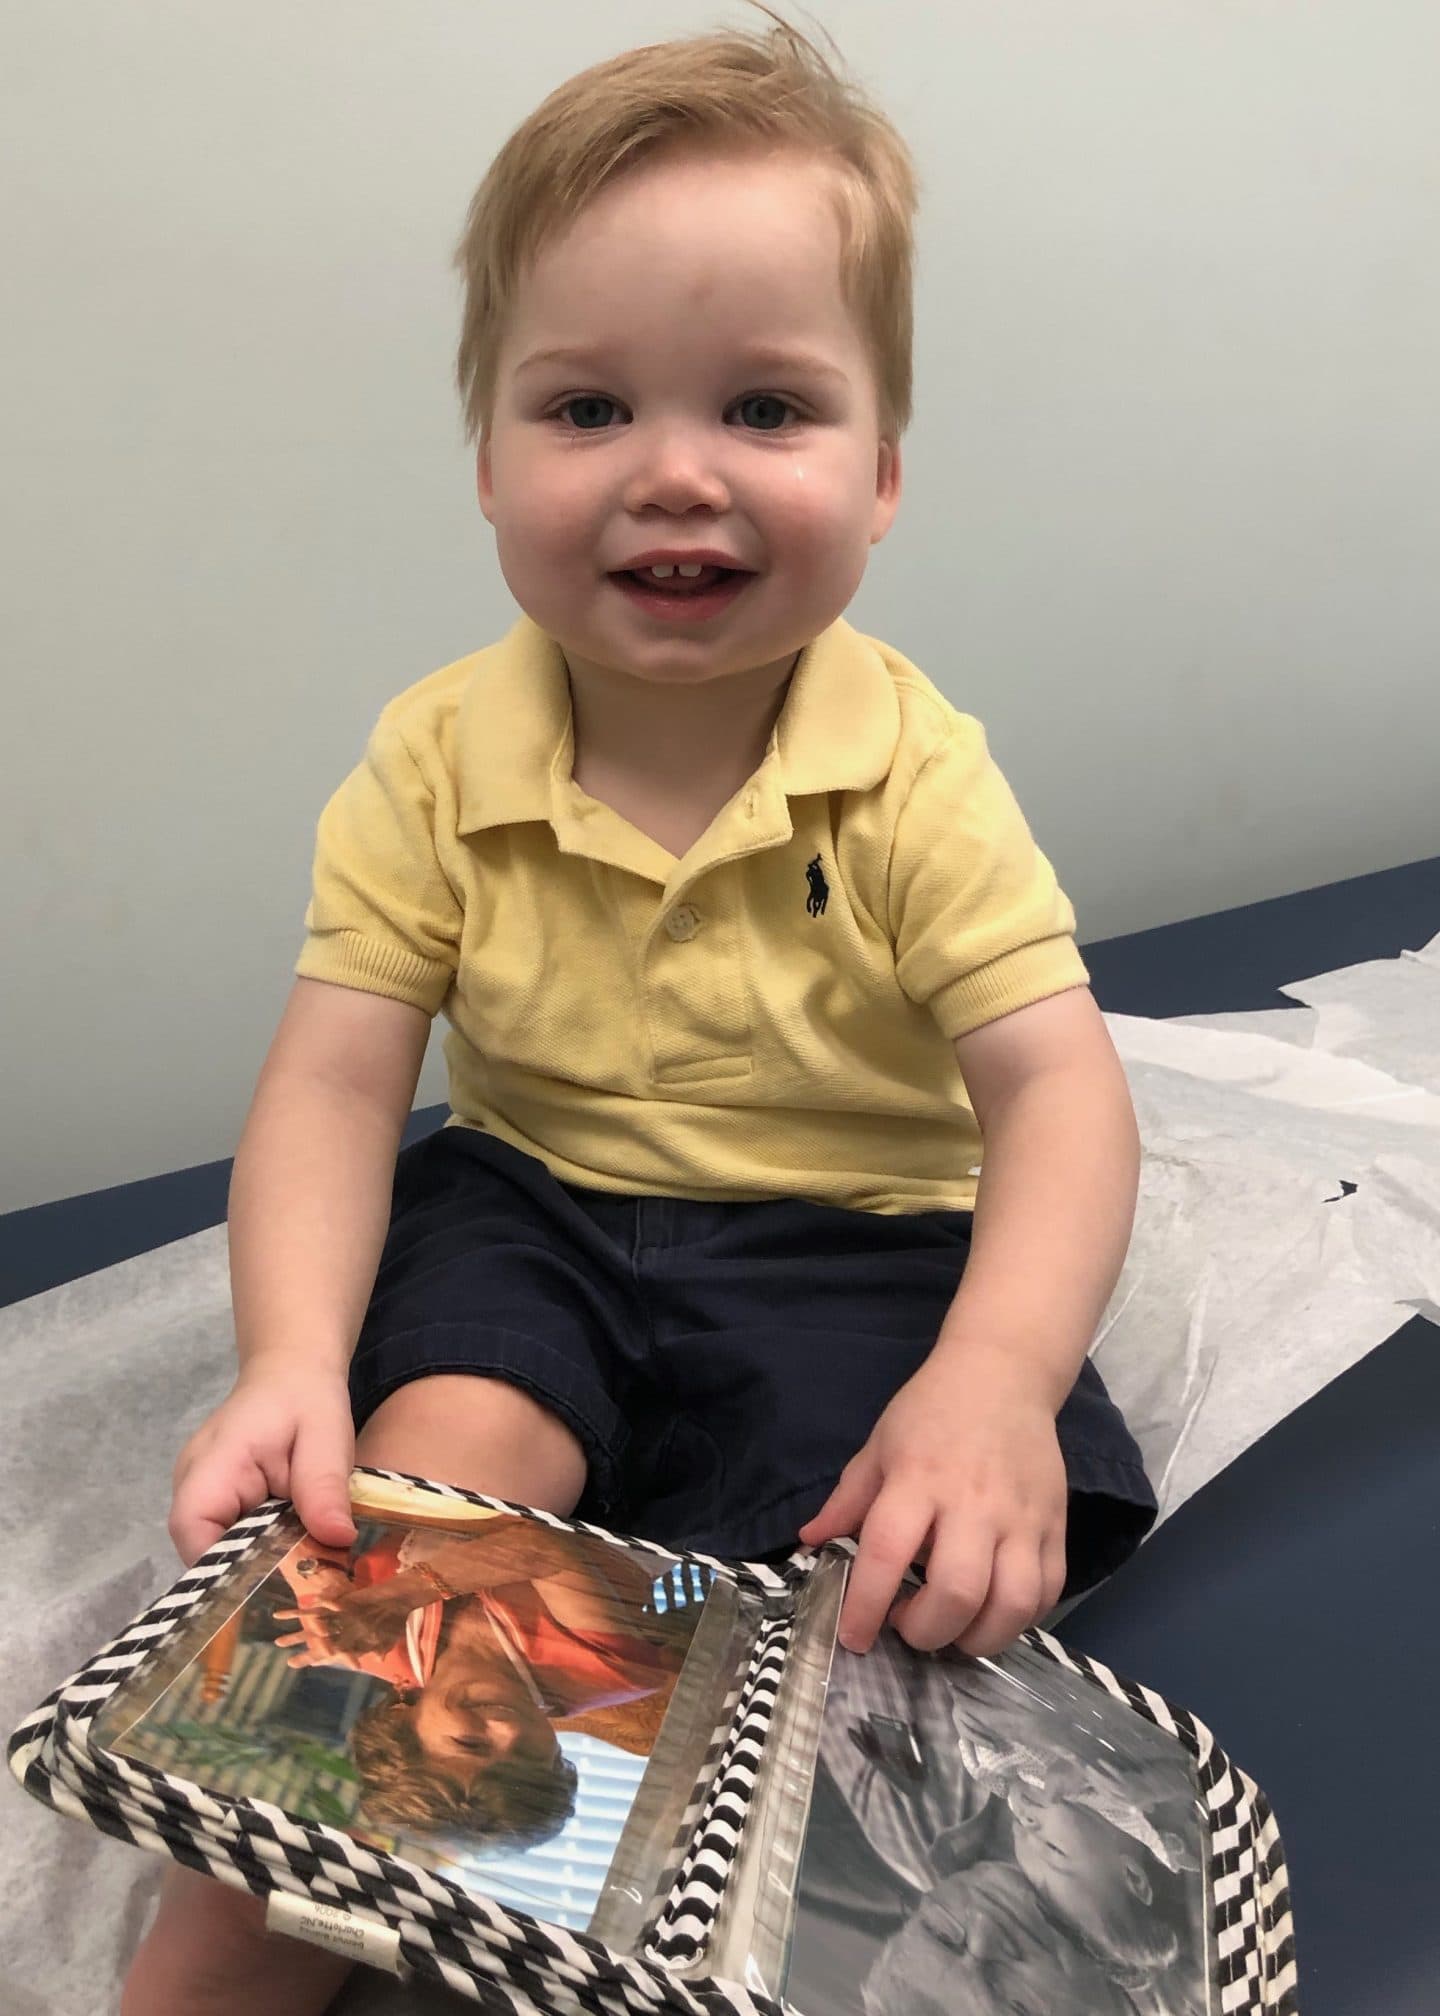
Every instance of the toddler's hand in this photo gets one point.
(283, 1432)
(962, 1471)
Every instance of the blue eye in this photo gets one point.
(594, 399)
(586, 399)
(767, 399)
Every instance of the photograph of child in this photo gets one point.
(989, 1836)
(428, 1676)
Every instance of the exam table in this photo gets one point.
(1291, 1602)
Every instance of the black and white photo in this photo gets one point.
(995, 1836)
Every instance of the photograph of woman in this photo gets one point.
(465, 1696)
(489, 1641)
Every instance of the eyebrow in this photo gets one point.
(767, 356)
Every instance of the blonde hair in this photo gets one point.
(723, 92)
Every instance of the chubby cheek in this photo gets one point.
(541, 508)
(798, 524)
(529, 553)
(817, 517)
(541, 553)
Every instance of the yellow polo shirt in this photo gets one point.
(771, 1015)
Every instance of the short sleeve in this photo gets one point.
(383, 917)
(981, 926)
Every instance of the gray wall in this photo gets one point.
(1170, 524)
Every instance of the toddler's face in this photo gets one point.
(668, 431)
(1092, 1877)
(979, 1945)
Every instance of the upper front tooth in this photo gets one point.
(689, 570)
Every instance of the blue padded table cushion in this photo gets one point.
(1240, 958)
(51, 1243)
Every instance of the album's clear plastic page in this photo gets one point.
(992, 1835)
(520, 1707)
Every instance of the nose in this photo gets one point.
(675, 469)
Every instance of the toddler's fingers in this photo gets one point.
(208, 1500)
(1053, 1568)
(320, 1478)
(1014, 1601)
(958, 1579)
(847, 1504)
(194, 1533)
(894, 1531)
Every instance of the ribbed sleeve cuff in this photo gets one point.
(348, 959)
(1032, 973)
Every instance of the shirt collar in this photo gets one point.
(837, 730)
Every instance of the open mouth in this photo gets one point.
(680, 598)
(676, 583)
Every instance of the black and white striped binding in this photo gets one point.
(1253, 1923)
(509, 1961)
(688, 1917)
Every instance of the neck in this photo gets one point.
(719, 729)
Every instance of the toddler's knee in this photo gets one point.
(208, 1954)
(480, 1433)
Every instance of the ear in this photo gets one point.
(887, 489)
(1138, 1882)
(484, 487)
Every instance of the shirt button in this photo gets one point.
(682, 923)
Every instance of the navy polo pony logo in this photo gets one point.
(819, 888)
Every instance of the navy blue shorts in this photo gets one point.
(718, 1363)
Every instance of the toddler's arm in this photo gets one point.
(309, 1208)
(963, 1468)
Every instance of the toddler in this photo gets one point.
(744, 944)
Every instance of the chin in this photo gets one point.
(691, 665)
